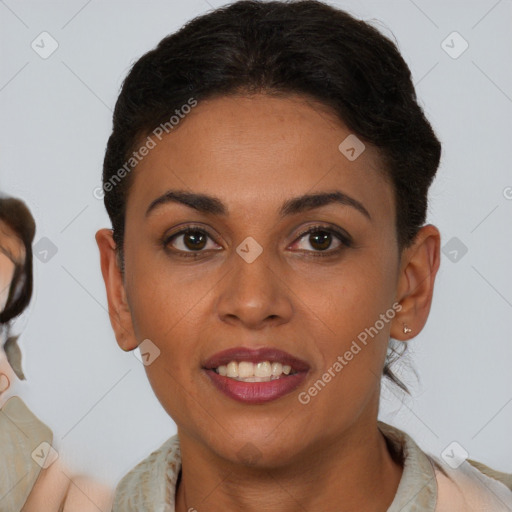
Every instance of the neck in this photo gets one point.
(356, 472)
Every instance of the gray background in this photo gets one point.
(55, 120)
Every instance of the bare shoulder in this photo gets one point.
(56, 490)
(85, 495)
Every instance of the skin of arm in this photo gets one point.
(56, 491)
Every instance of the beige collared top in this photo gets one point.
(427, 484)
(24, 444)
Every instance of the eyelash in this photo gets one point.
(345, 240)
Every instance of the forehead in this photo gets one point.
(257, 150)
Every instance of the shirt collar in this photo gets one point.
(151, 485)
(417, 490)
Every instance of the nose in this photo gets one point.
(254, 295)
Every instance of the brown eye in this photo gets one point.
(320, 240)
(194, 240)
(189, 240)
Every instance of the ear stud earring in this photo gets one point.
(407, 330)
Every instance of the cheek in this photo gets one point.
(163, 311)
(169, 305)
(157, 301)
(6, 275)
(356, 309)
(354, 297)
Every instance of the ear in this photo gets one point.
(118, 309)
(418, 269)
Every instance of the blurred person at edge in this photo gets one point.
(27, 485)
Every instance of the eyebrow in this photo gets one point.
(212, 205)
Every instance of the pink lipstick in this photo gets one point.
(255, 376)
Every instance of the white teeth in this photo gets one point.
(277, 369)
(250, 372)
(245, 369)
(263, 369)
(232, 369)
(256, 379)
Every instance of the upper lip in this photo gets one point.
(255, 356)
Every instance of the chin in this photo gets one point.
(259, 446)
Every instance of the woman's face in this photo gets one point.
(12, 252)
(254, 280)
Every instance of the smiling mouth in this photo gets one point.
(255, 376)
(247, 371)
